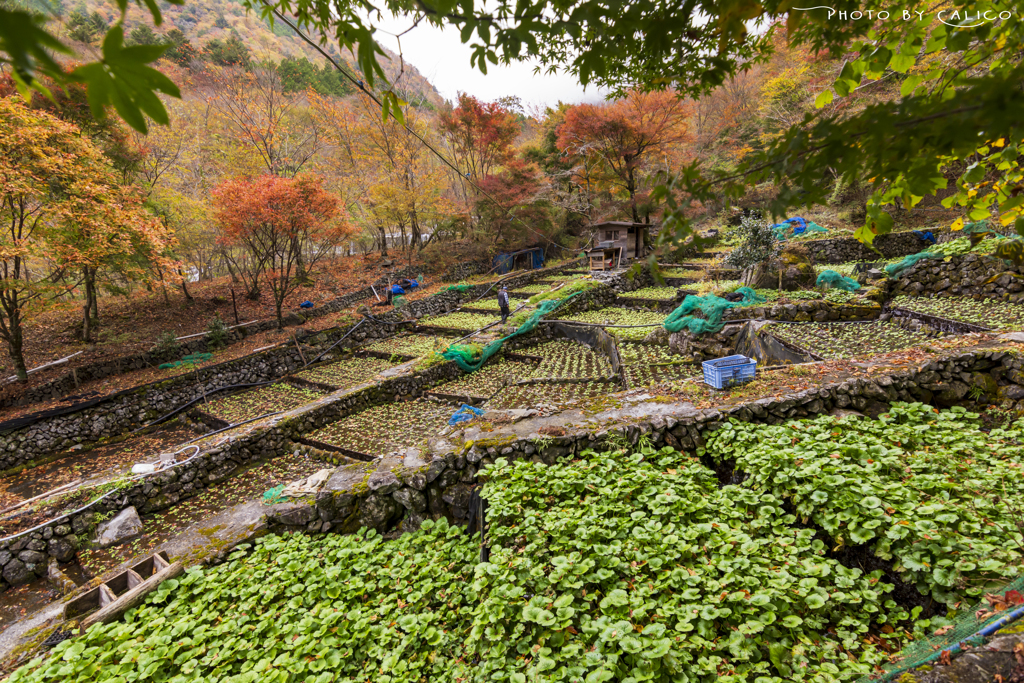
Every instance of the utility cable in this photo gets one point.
(359, 84)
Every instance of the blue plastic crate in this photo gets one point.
(725, 372)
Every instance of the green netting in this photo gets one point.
(458, 288)
(470, 357)
(980, 226)
(190, 359)
(830, 278)
(273, 496)
(895, 269)
(712, 307)
(398, 301)
(1010, 252)
(926, 650)
(783, 229)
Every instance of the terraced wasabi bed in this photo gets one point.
(255, 402)
(833, 341)
(622, 316)
(487, 380)
(646, 365)
(460, 320)
(411, 344)
(565, 358)
(550, 395)
(346, 373)
(382, 429)
(990, 313)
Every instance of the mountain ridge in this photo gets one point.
(219, 19)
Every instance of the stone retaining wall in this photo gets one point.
(127, 410)
(69, 382)
(843, 249)
(816, 310)
(24, 557)
(119, 413)
(970, 275)
(402, 490)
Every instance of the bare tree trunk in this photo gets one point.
(231, 271)
(184, 288)
(12, 333)
(95, 297)
(87, 309)
(300, 260)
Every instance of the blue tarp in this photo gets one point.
(798, 224)
(306, 304)
(503, 262)
(464, 414)
(925, 236)
(395, 289)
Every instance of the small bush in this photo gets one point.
(216, 333)
(167, 344)
(757, 244)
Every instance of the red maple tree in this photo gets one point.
(626, 137)
(278, 223)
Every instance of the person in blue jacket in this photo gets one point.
(503, 303)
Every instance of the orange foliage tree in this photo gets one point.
(627, 137)
(61, 205)
(279, 222)
(519, 190)
(480, 136)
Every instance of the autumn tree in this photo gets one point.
(571, 179)
(60, 203)
(480, 136)
(626, 136)
(390, 178)
(516, 198)
(271, 218)
(180, 49)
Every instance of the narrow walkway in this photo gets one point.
(209, 539)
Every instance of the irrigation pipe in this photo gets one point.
(981, 633)
(339, 341)
(202, 398)
(190, 444)
(240, 386)
(224, 429)
(104, 496)
(41, 496)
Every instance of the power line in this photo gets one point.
(359, 84)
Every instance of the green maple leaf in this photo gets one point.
(124, 79)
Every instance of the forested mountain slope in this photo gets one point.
(217, 21)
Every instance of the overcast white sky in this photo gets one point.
(442, 58)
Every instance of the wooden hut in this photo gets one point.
(633, 238)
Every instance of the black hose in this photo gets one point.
(202, 398)
(239, 386)
(237, 424)
(338, 342)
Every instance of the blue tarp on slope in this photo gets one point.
(503, 262)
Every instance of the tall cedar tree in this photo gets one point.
(279, 222)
